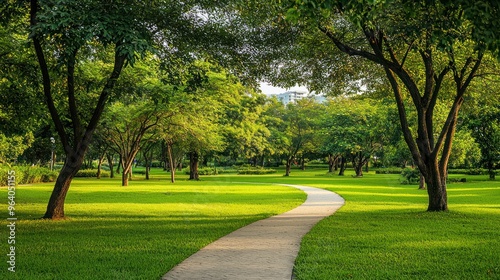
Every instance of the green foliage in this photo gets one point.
(27, 174)
(203, 171)
(471, 171)
(91, 173)
(255, 171)
(388, 170)
(410, 176)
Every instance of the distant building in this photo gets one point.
(295, 95)
(291, 96)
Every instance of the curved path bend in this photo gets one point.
(265, 249)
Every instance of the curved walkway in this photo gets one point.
(265, 249)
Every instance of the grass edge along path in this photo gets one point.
(384, 232)
(265, 249)
(136, 232)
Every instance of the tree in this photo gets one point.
(65, 33)
(21, 114)
(126, 127)
(485, 127)
(293, 128)
(437, 40)
(354, 129)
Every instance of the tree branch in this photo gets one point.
(47, 82)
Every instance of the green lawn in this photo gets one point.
(384, 232)
(135, 232)
(141, 231)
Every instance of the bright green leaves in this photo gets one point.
(71, 25)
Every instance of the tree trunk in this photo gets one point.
(302, 163)
(436, 190)
(342, 165)
(164, 155)
(331, 163)
(421, 185)
(125, 178)
(119, 165)
(148, 159)
(193, 166)
(171, 163)
(491, 170)
(111, 167)
(99, 165)
(55, 207)
(288, 167)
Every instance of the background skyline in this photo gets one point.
(268, 89)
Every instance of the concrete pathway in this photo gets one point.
(265, 249)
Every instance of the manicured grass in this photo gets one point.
(384, 232)
(135, 232)
(141, 231)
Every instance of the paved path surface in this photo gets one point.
(265, 249)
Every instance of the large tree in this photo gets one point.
(66, 33)
(424, 48)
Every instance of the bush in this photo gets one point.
(391, 170)
(255, 171)
(227, 170)
(203, 171)
(471, 171)
(410, 176)
(27, 175)
(91, 173)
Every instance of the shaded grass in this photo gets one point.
(135, 232)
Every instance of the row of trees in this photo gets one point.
(427, 52)
(210, 115)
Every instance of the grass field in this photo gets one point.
(141, 231)
(135, 232)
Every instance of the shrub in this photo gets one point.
(91, 173)
(255, 171)
(27, 175)
(410, 176)
(203, 171)
(227, 170)
(391, 170)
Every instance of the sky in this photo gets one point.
(268, 89)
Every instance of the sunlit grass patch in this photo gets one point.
(384, 232)
(135, 232)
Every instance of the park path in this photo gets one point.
(265, 249)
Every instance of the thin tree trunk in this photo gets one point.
(342, 165)
(288, 167)
(99, 165)
(110, 163)
(193, 166)
(491, 170)
(171, 163)
(331, 163)
(421, 185)
(119, 165)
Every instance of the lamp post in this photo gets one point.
(53, 146)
